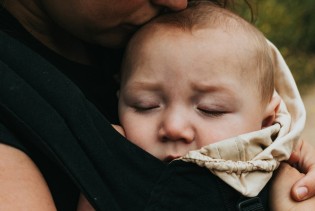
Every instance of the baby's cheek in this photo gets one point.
(119, 129)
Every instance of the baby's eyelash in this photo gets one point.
(144, 108)
(212, 113)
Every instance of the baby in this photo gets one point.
(198, 86)
(202, 76)
(209, 77)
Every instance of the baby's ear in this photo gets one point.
(271, 110)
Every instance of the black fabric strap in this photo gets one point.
(250, 204)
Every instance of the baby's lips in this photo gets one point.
(170, 158)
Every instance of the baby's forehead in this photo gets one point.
(156, 31)
(156, 35)
(207, 39)
(197, 41)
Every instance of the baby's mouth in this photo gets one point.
(170, 158)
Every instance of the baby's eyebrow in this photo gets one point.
(136, 85)
(205, 87)
(218, 91)
(202, 87)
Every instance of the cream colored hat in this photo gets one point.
(246, 162)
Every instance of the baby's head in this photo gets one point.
(194, 78)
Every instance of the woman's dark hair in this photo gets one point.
(232, 5)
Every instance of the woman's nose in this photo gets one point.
(174, 5)
(176, 129)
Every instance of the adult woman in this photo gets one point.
(56, 143)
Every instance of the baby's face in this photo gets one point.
(184, 91)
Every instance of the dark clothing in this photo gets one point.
(96, 82)
(55, 118)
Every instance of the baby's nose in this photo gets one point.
(176, 128)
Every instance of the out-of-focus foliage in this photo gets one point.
(290, 25)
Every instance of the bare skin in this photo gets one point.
(280, 198)
(84, 204)
(303, 159)
(22, 185)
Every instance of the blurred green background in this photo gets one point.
(290, 25)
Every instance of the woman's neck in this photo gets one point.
(38, 23)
